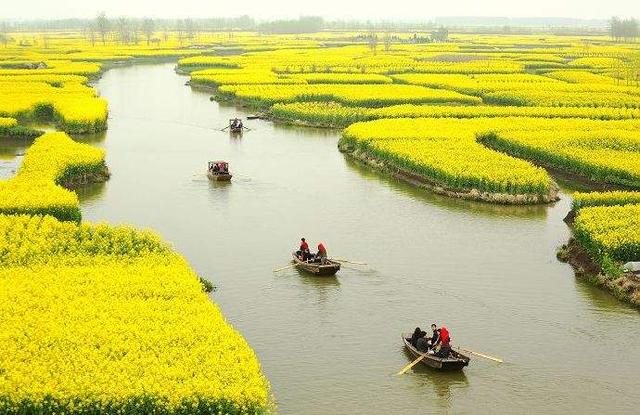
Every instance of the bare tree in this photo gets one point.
(45, 41)
(190, 28)
(180, 27)
(624, 29)
(102, 25)
(148, 27)
(373, 42)
(135, 38)
(165, 33)
(387, 41)
(91, 34)
(122, 26)
(4, 34)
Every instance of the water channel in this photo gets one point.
(331, 345)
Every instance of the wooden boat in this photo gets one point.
(233, 128)
(220, 177)
(455, 361)
(221, 174)
(316, 268)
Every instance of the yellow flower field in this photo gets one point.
(450, 156)
(103, 319)
(610, 231)
(52, 160)
(368, 95)
(609, 198)
(109, 320)
(449, 150)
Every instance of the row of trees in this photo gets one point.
(440, 35)
(624, 29)
(128, 31)
(112, 27)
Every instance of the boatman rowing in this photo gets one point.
(322, 253)
(303, 252)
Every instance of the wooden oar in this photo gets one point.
(410, 365)
(495, 359)
(283, 268)
(289, 266)
(347, 261)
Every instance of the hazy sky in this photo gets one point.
(356, 9)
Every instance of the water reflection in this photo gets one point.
(602, 300)
(11, 154)
(11, 146)
(318, 282)
(444, 384)
(92, 192)
(94, 139)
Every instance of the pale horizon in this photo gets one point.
(403, 10)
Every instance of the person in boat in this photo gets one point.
(236, 124)
(224, 168)
(418, 340)
(322, 253)
(442, 347)
(435, 335)
(303, 253)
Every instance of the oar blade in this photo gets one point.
(486, 356)
(410, 365)
(283, 268)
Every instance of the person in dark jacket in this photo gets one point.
(417, 334)
(435, 336)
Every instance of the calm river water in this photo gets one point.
(330, 346)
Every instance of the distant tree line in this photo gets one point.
(135, 30)
(304, 24)
(624, 29)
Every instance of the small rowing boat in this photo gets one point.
(219, 171)
(455, 361)
(235, 126)
(316, 268)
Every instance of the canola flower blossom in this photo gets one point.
(102, 319)
(52, 160)
(368, 95)
(610, 231)
(609, 198)
(454, 151)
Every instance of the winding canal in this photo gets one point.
(331, 345)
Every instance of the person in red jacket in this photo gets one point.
(322, 253)
(444, 341)
(303, 252)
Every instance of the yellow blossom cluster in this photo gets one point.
(53, 160)
(102, 319)
(610, 231)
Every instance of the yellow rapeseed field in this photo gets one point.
(111, 320)
(102, 319)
